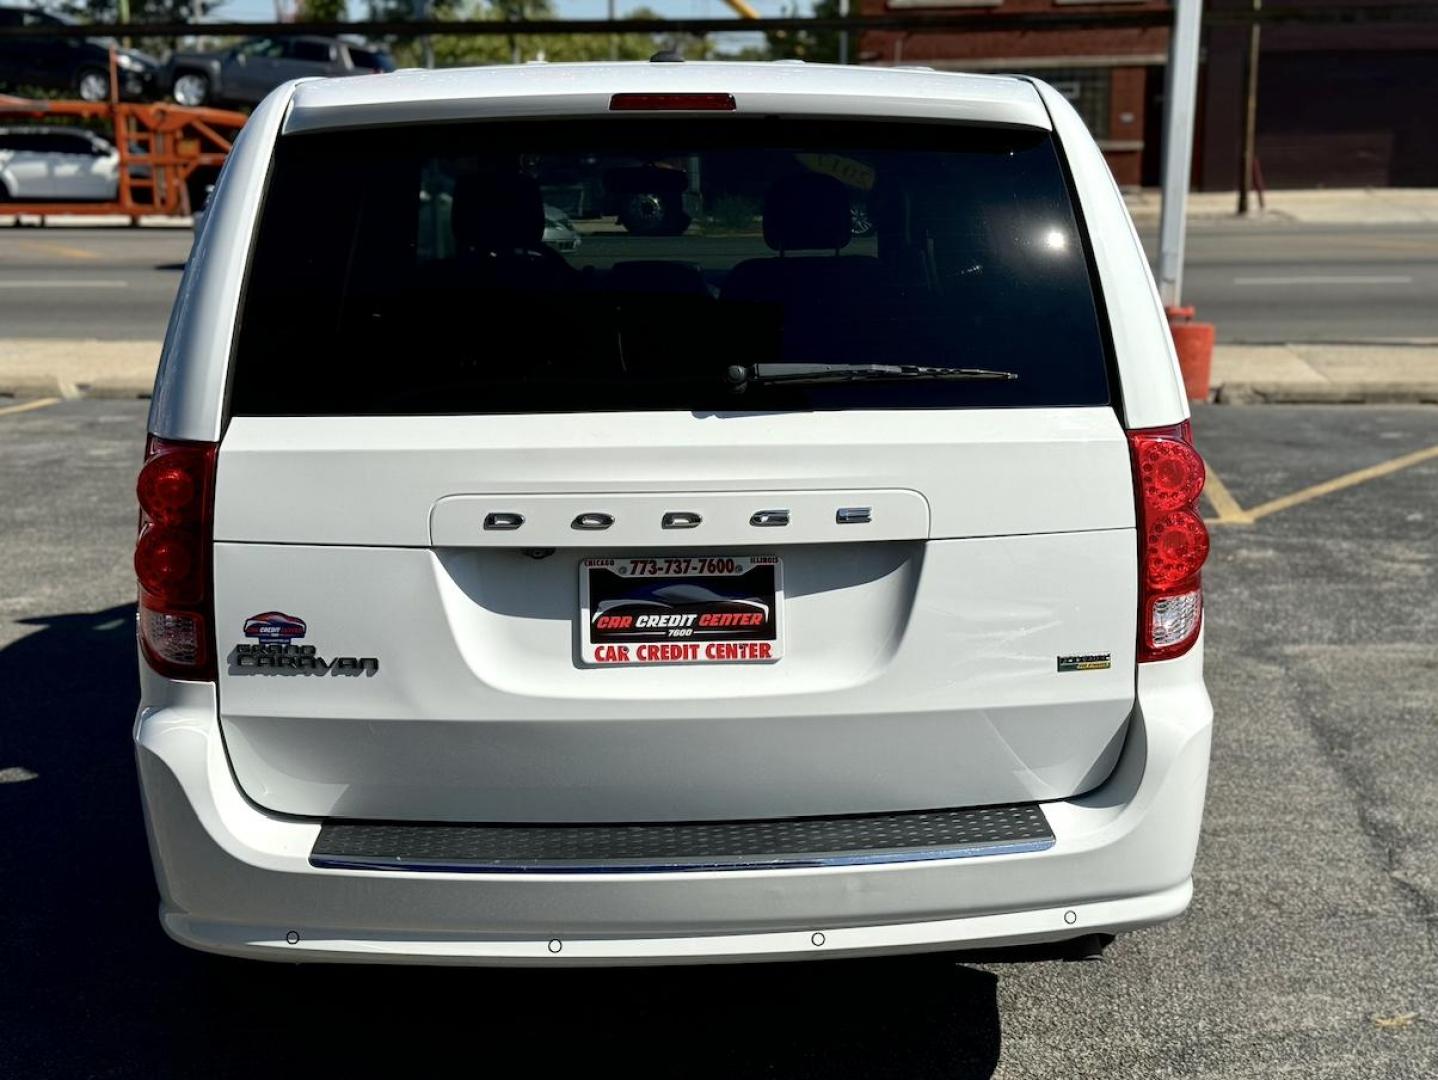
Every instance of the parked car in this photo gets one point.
(646, 198)
(789, 593)
(245, 73)
(77, 65)
(559, 232)
(54, 163)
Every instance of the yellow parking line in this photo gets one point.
(1339, 483)
(63, 250)
(26, 406)
(1222, 500)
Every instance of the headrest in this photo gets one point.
(806, 212)
(497, 212)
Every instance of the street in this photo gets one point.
(1311, 949)
(1257, 281)
(110, 284)
(1290, 282)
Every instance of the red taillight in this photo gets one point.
(1173, 540)
(672, 103)
(176, 490)
(1175, 547)
(165, 564)
(167, 489)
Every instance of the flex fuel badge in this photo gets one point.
(275, 651)
(1088, 662)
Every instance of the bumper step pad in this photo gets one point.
(652, 847)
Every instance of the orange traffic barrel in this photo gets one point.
(1194, 343)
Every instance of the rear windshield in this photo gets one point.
(635, 264)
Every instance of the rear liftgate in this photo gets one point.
(870, 618)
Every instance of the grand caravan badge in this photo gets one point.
(276, 652)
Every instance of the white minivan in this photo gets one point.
(815, 573)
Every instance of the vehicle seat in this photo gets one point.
(659, 307)
(497, 220)
(821, 298)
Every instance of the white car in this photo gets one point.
(927, 494)
(559, 232)
(56, 163)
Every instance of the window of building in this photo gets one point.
(1087, 90)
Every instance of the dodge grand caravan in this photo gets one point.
(820, 578)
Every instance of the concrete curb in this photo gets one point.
(1358, 393)
(71, 368)
(30, 386)
(92, 221)
(1373, 373)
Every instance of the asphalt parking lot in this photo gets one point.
(1311, 949)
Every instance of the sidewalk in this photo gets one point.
(1328, 206)
(1242, 374)
(40, 367)
(1326, 374)
(1339, 206)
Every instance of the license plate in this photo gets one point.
(686, 609)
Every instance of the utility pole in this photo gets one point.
(515, 12)
(1179, 108)
(843, 34)
(424, 12)
(1250, 113)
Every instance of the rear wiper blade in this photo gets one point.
(740, 376)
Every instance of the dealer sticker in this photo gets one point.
(681, 609)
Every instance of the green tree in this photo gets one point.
(323, 10)
(463, 49)
(141, 11)
(816, 46)
(748, 52)
(392, 10)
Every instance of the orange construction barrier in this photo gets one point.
(1194, 344)
(165, 150)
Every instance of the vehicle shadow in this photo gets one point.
(91, 986)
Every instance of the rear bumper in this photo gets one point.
(236, 879)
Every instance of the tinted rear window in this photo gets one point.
(629, 264)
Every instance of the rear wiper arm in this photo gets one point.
(740, 376)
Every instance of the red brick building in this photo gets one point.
(1339, 105)
(1114, 77)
